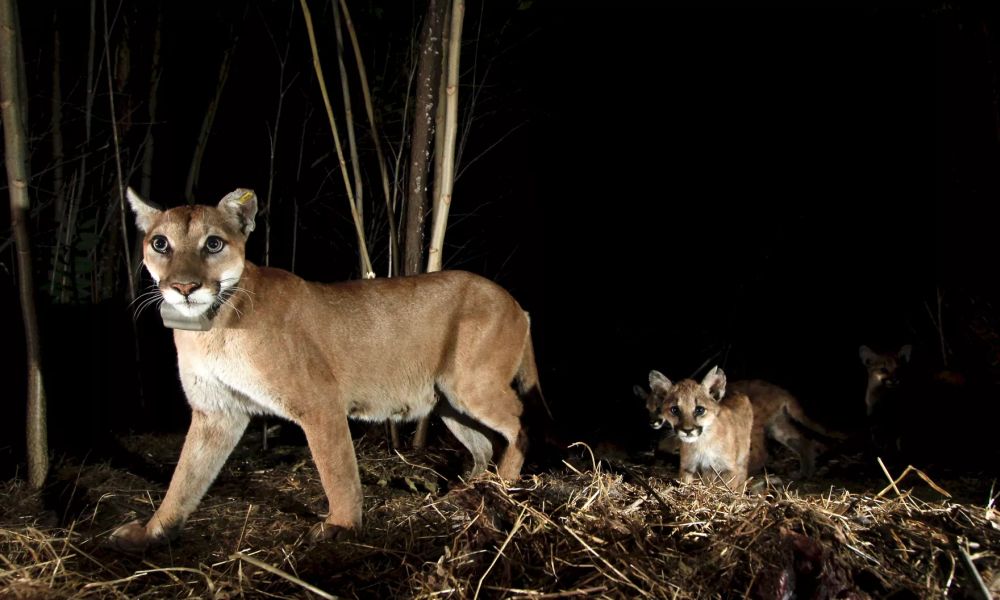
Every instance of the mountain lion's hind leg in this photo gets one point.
(474, 441)
(498, 408)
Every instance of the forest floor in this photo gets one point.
(608, 525)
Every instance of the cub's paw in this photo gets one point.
(325, 532)
(132, 538)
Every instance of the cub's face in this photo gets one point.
(884, 371)
(688, 406)
(195, 253)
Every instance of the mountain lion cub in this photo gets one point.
(317, 354)
(713, 427)
(776, 415)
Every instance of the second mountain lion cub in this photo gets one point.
(714, 428)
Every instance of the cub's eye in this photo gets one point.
(699, 410)
(160, 244)
(674, 410)
(214, 244)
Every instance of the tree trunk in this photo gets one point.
(17, 187)
(428, 73)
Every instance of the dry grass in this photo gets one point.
(587, 530)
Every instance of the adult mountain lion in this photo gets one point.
(317, 354)
(713, 427)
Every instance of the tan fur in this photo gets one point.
(713, 427)
(777, 415)
(318, 353)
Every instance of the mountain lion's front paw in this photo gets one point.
(132, 538)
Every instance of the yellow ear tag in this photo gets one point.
(245, 197)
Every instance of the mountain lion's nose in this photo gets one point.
(185, 289)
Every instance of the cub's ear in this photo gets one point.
(659, 380)
(640, 392)
(145, 211)
(867, 355)
(905, 352)
(241, 206)
(715, 383)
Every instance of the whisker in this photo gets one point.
(144, 295)
(146, 304)
(229, 303)
(247, 293)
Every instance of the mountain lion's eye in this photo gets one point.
(674, 410)
(160, 244)
(699, 410)
(214, 244)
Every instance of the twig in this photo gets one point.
(909, 469)
(892, 484)
(276, 571)
(246, 519)
(642, 483)
(416, 466)
(510, 536)
(984, 591)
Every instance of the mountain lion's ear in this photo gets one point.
(868, 355)
(640, 392)
(904, 353)
(715, 383)
(145, 211)
(241, 205)
(659, 380)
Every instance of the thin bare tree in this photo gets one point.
(17, 187)
(155, 74)
(118, 160)
(345, 90)
(442, 200)
(272, 134)
(58, 152)
(382, 164)
(366, 264)
(206, 125)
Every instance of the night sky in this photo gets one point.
(660, 187)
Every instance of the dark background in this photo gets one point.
(660, 187)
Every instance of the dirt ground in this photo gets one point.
(600, 523)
